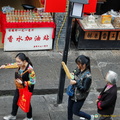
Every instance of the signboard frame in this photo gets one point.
(17, 39)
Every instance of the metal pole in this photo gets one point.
(65, 55)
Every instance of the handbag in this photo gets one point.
(17, 84)
(19, 76)
(70, 90)
(24, 99)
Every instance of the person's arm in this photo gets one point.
(86, 84)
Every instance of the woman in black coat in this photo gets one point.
(107, 98)
(81, 84)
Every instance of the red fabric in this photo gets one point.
(42, 2)
(6, 25)
(24, 99)
(0, 21)
(55, 5)
(99, 96)
(90, 7)
(99, 105)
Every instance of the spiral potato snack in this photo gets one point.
(69, 75)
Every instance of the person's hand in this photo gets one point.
(72, 82)
(25, 83)
(72, 73)
(19, 81)
(2, 66)
(96, 101)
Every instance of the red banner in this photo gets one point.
(90, 7)
(55, 5)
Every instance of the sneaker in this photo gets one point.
(82, 118)
(92, 117)
(9, 117)
(28, 119)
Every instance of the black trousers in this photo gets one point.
(75, 108)
(15, 106)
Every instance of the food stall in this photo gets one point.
(98, 31)
(99, 38)
(27, 30)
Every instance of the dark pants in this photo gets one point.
(15, 106)
(74, 108)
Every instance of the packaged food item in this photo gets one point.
(106, 19)
(91, 19)
(116, 22)
(28, 16)
(6, 9)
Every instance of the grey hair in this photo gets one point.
(112, 77)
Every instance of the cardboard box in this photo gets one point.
(106, 19)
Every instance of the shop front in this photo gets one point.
(27, 29)
(34, 31)
(98, 31)
(96, 38)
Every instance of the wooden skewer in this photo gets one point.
(26, 71)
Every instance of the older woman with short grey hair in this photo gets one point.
(111, 77)
(107, 99)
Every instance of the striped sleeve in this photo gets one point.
(32, 77)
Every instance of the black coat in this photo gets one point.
(108, 101)
(83, 83)
(86, 82)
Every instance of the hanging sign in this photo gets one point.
(77, 10)
(28, 39)
(90, 7)
(55, 5)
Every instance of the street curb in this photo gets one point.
(36, 92)
(40, 91)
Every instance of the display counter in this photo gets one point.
(96, 36)
(33, 33)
